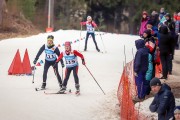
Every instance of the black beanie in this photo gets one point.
(150, 22)
(155, 82)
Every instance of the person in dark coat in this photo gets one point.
(140, 67)
(166, 49)
(163, 103)
(51, 53)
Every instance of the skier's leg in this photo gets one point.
(46, 67)
(93, 37)
(87, 36)
(76, 78)
(67, 74)
(57, 75)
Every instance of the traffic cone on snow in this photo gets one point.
(26, 63)
(16, 65)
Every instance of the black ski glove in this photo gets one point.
(83, 62)
(55, 64)
(35, 61)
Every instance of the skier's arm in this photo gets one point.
(79, 55)
(39, 53)
(83, 23)
(94, 24)
(60, 57)
(58, 53)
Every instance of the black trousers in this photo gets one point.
(46, 68)
(166, 63)
(93, 37)
(67, 74)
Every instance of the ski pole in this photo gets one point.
(95, 79)
(62, 74)
(102, 42)
(33, 73)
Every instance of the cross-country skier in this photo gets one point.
(71, 65)
(90, 26)
(51, 52)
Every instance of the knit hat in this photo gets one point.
(155, 82)
(150, 22)
(50, 37)
(177, 109)
(89, 17)
(144, 13)
(148, 32)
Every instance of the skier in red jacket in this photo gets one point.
(71, 65)
(90, 26)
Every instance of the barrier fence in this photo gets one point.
(127, 90)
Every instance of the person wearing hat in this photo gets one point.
(51, 53)
(177, 113)
(164, 102)
(90, 26)
(166, 50)
(144, 21)
(140, 68)
(71, 65)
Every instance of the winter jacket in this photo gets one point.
(143, 26)
(166, 42)
(141, 57)
(163, 103)
(150, 68)
(177, 27)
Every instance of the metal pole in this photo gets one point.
(49, 14)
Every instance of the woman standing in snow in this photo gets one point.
(90, 26)
(144, 21)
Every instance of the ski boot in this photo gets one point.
(98, 49)
(62, 90)
(43, 86)
(77, 89)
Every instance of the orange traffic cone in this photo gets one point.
(16, 65)
(26, 63)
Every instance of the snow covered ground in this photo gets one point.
(20, 101)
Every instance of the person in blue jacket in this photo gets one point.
(140, 68)
(149, 75)
(163, 103)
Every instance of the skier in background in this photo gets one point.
(71, 65)
(51, 51)
(90, 26)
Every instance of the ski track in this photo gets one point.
(20, 101)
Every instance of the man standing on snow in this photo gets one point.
(90, 26)
(51, 52)
(164, 102)
(71, 65)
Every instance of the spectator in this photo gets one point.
(144, 21)
(177, 29)
(177, 113)
(140, 68)
(163, 103)
(149, 74)
(162, 13)
(166, 50)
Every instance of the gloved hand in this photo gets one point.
(83, 62)
(35, 61)
(62, 64)
(55, 64)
